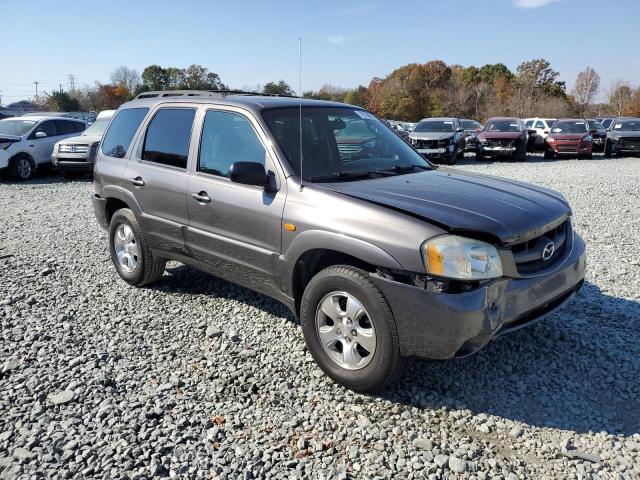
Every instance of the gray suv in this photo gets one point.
(321, 206)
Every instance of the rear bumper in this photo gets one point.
(100, 210)
(441, 326)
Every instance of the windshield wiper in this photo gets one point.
(398, 169)
(349, 175)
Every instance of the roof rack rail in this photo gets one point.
(203, 93)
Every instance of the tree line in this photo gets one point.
(409, 93)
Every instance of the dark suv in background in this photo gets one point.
(380, 254)
(623, 136)
(439, 139)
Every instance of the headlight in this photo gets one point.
(5, 145)
(369, 144)
(413, 141)
(484, 141)
(588, 138)
(461, 258)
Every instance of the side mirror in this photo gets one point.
(40, 135)
(460, 130)
(248, 173)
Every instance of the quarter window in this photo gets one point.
(121, 131)
(65, 127)
(227, 138)
(168, 136)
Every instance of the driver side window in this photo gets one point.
(46, 127)
(227, 137)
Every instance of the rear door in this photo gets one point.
(157, 174)
(235, 228)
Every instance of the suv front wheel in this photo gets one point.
(350, 330)
(129, 252)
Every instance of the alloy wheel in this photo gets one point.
(126, 247)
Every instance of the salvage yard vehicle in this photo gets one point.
(542, 126)
(439, 139)
(623, 137)
(598, 133)
(26, 143)
(381, 256)
(75, 155)
(569, 137)
(503, 137)
(471, 130)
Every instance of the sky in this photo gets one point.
(344, 43)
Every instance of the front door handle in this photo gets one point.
(201, 197)
(138, 182)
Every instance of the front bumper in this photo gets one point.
(498, 151)
(441, 325)
(580, 150)
(100, 210)
(78, 162)
(4, 158)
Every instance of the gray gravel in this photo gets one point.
(195, 377)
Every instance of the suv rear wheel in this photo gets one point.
(129, 252)
(350, 330)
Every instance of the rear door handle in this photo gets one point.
(201, 197)
(138, 182)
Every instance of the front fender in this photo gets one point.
(322, 240)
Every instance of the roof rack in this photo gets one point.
(203, 93)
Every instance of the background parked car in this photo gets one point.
(598, 132)
(570, 137)
(623, 137)
(606, 122)
(542, 126)
(439, 139)
(471, 130)
(26, 143)
(503, 137)
(75, 155)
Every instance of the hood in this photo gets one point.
(9, 138)
(82, 139)
(568, 136)
(624, 133)
(508, 210)
(501, 135)
(431, 135)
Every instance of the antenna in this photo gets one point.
(300, 105)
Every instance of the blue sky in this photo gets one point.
(344, 43)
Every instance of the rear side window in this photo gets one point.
(121, 131)
(227, 138)
(539, 124)
(168, 135)
(65, 127)
(80, 127)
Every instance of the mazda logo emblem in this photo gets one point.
(547, 251)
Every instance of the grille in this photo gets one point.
(427, 143)
(631, 142)
(528, 255)
(567, 146)
(500, 143)
(73, 148)
(349, 148)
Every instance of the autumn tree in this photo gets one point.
(620, 95)
(129, 77)
(585, 89)
(61, 102)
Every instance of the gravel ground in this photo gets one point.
(196, 377)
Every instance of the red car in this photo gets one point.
(503, 137)
(570, 137)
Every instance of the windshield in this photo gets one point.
(435, 126)
(339, 141)
(470, 124)
(15, 127)
(98, 127)
(503, 126)
(550, 122)
(606, 122)
(626, 125)
(569, 127)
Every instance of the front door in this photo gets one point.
(236, 228)
(41, 148)
(157, 176)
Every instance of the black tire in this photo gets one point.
(452, 159)
(22, 167)
(479, 157)
(148, 268)
(385, 365)
(588, 156)
(460, 155)
(548, 154)
(608, 149)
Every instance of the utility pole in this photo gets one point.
(0, 98)
(60, 85)
(36, 97)
(72, 82)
